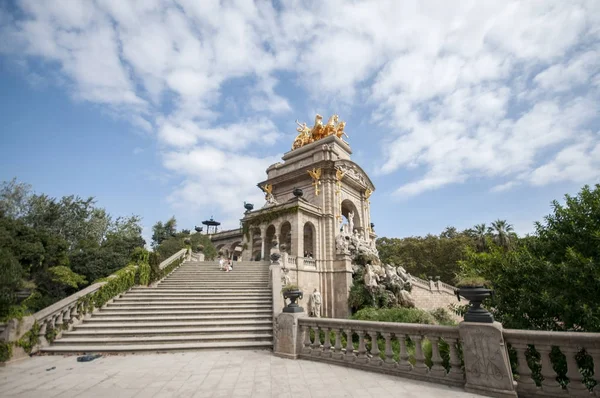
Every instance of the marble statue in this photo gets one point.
(370, 277)
(351, 220)
(315, 304)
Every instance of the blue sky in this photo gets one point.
(461, 112)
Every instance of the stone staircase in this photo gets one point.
(195, 307)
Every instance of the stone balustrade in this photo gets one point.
(573, 345)
(180, 254)
(291, 260)
(384, 347)
(309, 262)
(68, 311)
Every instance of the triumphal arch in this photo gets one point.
(316, 206)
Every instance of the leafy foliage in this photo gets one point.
(5, 351)
(549, 281)
(400, 315)
(10, 281)
(59, 244)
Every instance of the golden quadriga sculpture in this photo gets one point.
(306, 134)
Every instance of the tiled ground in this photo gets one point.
(203, 374)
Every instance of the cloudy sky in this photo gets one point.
(461, 111)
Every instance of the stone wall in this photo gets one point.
(429, 295)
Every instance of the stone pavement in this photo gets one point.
(232, 373)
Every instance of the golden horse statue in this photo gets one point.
(307, 135)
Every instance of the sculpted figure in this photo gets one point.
(339, 132)
(315, 304)
(317, 130)
(405, 299)
(351, 220)
(341, 245)
(370, 277)
(330, 126)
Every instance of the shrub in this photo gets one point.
(400, 315)
(5, 351)
(30, 339)
(443, 316)
(124, 280)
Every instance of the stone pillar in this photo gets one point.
(287, 339)
(276, 285)
(487, 366)
(263, 237)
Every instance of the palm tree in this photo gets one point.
(481, 231)
(502, 230)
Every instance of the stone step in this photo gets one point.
(163, 310)
(163, 315)
(206, 290)
(255, 327)
(67, 349)
(149, 318)
(202, 303)
(170, 308)
(204, 299)
(213, 286)
(207, 322)
(176, 293)
(135, 340)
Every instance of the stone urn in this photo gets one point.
(298, 192)
(476, 295)
(293, 294)
(248, 206)
(198, 229)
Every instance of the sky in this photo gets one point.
(461, 112)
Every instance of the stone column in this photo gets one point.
(487, 366)
(287, 339)
(263, 237)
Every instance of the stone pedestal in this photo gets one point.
(287, 339)
(487, 366)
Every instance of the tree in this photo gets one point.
(501, 230)
(10, 280)
(14, 198)
(550, 280)
(431, 255)
(161, 231)
(481, 233)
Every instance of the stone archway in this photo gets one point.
(255, 244)
(309, 240)
(269, 237)
(285, 236)
(349, 209)
(235, 250)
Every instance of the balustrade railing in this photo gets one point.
(180, 254)
(555, 363)
(309, 262)
(425, 352)
(69, 310)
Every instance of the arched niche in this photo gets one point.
(236, 250)
(255, 243)
(349, 209)
(309, 240)
(270, 236)
(285, 236)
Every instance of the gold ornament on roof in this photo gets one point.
(316, 176)
(368, 193)
(307, 135)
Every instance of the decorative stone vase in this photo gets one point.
(476, 295)
(198, 229)
(298, 192)
(293, 295)
(248, 206)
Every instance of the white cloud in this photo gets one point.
(502, 89)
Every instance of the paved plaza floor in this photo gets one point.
(231, 373)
